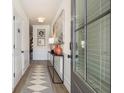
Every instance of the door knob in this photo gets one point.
(69, 56)
(22, 51)
(76, 56)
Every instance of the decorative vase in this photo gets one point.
(58, 50)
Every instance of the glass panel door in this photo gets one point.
(78, 82)
(91, 46)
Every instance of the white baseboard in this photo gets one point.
(67, 85)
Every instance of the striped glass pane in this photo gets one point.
(98, 55)
(79, 13)
(105, 5)
(105, 55)
(93, 9)
(80, 62)
(93, 55)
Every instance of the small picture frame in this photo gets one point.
(41, 41)
(41, 33)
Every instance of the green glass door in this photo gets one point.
(91, 46)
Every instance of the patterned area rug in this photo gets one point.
(38, 81)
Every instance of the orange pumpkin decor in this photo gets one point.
(58, 50)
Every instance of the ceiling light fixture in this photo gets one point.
(41, 19)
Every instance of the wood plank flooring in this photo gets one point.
(57, 88)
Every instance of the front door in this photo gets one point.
(90, 69)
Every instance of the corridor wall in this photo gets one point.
(66, 7)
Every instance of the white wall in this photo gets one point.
(66, 5)
(18, 11)
(40, 52)
(67, 34)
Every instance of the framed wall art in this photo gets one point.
(58, 28)
(41, 36)
(41, 33)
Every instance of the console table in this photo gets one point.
(52, 73)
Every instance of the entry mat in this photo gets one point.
(38, 81)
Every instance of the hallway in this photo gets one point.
(37, 80)
(34, 24)
(72, 36)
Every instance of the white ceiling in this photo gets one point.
(41, 8)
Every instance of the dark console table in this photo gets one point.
(53, 72)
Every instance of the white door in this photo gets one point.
(17, 62)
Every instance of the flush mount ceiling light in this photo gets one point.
(41, 19)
